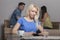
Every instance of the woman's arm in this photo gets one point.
(40, 28)
(45, 16)
(14, 31)
(43, 32)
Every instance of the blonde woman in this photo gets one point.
(29, 23)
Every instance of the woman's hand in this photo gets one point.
(14, 32)
(15, 29)
(28, 33)
(45, 33)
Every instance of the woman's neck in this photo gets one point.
(28, 18)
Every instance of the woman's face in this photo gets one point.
(33, 12)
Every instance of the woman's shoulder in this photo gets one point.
(46, 13)
(21, 18)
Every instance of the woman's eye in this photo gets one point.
(32, 11)
(36, 12)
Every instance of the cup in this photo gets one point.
(21, 32)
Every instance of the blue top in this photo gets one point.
(13, 18)
(27, 26)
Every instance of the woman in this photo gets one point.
(45, 18)
(29, 23)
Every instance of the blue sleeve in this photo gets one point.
(20, 21)
(18, 13)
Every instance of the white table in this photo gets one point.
(16, 37)
(42, 37)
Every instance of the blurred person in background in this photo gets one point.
(16, 14)
(45, 18)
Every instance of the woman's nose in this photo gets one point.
(34, 13)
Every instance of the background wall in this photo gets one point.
(7, 7)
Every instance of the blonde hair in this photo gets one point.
(33, 6)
